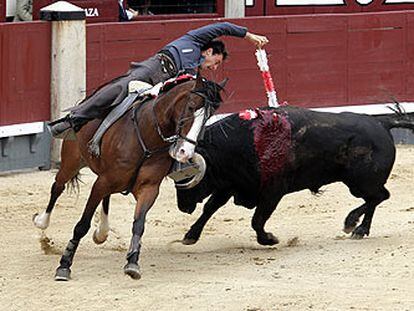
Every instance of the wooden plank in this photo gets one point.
(26, 78)
(2, 10)
(373, 82)
(376, 21)
(305, 24)
(376, 45)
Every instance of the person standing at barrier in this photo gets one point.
(126, 13)
(24, 10)
(196, 49)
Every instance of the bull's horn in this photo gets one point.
(199, 160)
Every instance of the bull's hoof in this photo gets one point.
(348, 230)
(351, 221)
(98, 239)
(359, 233)
(267, 239)
(132, 269)
(62, 274)
(189, 241)
(191, 238)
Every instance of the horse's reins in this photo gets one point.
(170, 140)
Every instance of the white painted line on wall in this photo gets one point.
(21, 129)
(373, 109)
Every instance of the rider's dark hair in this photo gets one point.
(217, 46)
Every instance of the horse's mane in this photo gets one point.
(212, 91)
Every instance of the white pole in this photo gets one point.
(68, 60)
(234, 8)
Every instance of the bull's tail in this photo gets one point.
(390, 123)
(400, 119)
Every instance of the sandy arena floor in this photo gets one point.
(315, 267)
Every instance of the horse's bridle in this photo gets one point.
(208, 107)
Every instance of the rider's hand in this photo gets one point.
(258, 41)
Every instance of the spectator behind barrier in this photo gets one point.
(141, 6)
(126, 14)
(24, 9)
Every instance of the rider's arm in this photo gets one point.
(207, 33)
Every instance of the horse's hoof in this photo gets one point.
(62, 274)
(41, 221)
(188, 241)
(98, 240)
(132, 269)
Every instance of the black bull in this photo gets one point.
(289, 149)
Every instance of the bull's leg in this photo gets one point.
(371, 203)
(261, 215)
(216, 201)
(70, 166)
(101, 233)
(145, 199)
(352, 219)
(98, 192)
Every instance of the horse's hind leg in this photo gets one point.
(98, 192)
(101, 233)
(216, 201)
(70, 166)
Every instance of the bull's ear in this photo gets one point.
(223, 83)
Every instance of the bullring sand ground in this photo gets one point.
(315, 266)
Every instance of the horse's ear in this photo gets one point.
(199, 81)
(223, 83)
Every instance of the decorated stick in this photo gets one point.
(267, 77)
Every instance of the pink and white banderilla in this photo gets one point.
(267, 77)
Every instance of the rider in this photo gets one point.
(196, 49)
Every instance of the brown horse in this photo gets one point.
(136, 154)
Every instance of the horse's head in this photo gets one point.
(192, 110)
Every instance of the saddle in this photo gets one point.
(136, 90)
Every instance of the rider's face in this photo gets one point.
(211, 61)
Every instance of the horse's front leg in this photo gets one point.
(145, 199)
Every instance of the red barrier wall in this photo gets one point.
(2, 10)
(316, 60)
(25, 72)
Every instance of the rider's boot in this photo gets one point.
(65, 126)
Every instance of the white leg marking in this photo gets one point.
(101, 233)
(184, 150)
(41, 220)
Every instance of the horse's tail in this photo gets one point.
(74, 184)
(400, 119)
